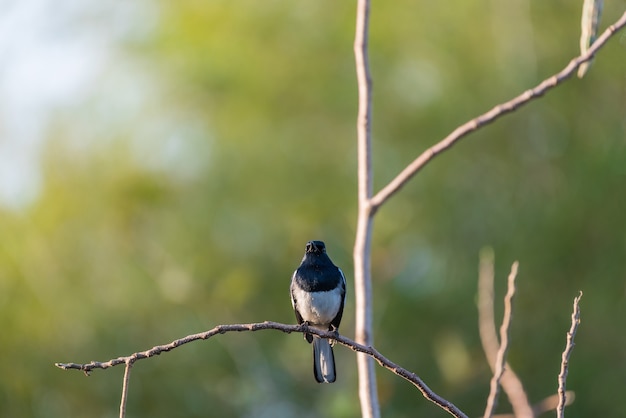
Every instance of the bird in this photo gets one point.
(318, 294)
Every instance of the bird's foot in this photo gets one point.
(335, 331)
(304, 326)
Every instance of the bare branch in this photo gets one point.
(490, 116)
(510, 382)
(500, 362)
(222, 329)
(569, 347)
(368, 393)
(364, 83)
(129, 365)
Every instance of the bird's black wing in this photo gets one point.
(295, 304)
(337, 320)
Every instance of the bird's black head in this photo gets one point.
(315, 247)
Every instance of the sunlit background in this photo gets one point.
(162, 165)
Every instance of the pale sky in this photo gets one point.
(51, 55)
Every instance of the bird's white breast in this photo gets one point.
(318, 308)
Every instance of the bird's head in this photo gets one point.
(315, 247)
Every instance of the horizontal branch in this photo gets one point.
(498, 111)
(222, 329)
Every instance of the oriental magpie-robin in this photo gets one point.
(318, 292)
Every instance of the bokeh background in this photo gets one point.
(162, 165)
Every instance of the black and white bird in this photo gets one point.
(318, 293)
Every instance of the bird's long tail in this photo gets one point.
(323, 361)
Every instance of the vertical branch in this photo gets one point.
(592, 9)
(560, 409)
(362, 267)
(511, 383)
(363, 317)
(129, 365)
(486, 320)
(500, 361)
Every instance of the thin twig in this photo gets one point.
(368, 393)
(492, 400)
(129, 365)
(222, 329)
(500, 110)
(511, 383)
(569, 347)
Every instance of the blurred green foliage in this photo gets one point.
(194, 210)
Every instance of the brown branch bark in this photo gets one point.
(125, 383)
(368, 393)
(569, 347)
(511, 383)
(500, 361)
(409, 376)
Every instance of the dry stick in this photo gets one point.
(129, 365)
(560, 409)
(490, 116)
(511, 383)
(221, 329)
(368, 393)
(499, 365)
